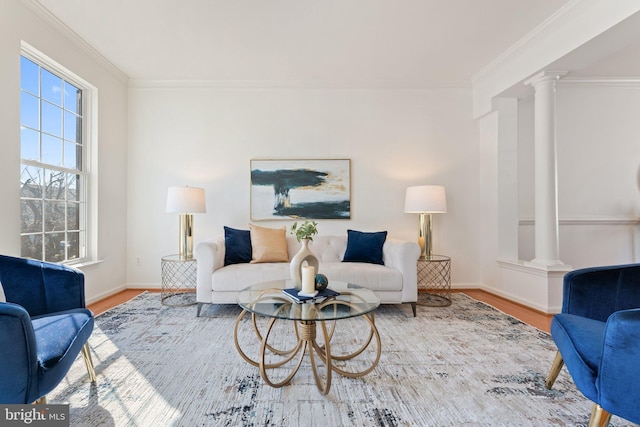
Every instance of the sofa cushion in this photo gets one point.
(372, 276)
(365, 247)
(375, 277)
(268, 244)
(236, 277)
(237, 246)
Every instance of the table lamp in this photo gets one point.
(186, 201)
(425, 200)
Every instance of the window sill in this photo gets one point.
(87, 263)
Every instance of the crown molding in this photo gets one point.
(600, 81)
(54, 22)
(297, 84)
(572, 26)
(542, 30)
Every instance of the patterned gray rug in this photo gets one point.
(463, 365)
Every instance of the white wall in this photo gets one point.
(206, 136)
(487, 221)
(598, 142)
(20, 23)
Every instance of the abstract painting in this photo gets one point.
(313, 189)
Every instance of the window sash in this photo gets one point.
(70, 234)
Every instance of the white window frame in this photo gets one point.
(89, 151)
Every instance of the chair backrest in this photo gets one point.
(598, 292)
(41, 287)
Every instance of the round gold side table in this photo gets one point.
(178, 280)
(434, 281)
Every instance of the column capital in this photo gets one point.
(545, 76)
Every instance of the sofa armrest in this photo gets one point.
(403, 256)
(210, 256)
(597, 292)
(19, 359)
(617, 383)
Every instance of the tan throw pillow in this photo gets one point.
(268, 244)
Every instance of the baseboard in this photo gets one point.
(106, 294)
(142, 286)
(111, 292)
(522, 301)
(471, 285)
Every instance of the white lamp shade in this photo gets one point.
(186, 200)
(425, 199)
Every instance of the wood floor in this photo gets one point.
(116, 299)
(528, 315)
(519, 311)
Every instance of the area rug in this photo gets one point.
(463, 365)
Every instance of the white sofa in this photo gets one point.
(395, 282)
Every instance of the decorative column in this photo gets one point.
(545, 169)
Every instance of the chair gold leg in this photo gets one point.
(86, 355)
(41, 401)
(557, 365)
(599, 417)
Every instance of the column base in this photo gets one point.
(533, 285)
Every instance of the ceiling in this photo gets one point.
(387, 43)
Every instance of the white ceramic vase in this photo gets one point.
(298, 260)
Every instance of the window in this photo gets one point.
(53, 171)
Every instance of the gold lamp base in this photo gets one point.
(424, 236)
(186, 236)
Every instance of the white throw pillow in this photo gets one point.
(2, 297)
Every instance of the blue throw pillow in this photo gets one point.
(237, 246)
(365, 247)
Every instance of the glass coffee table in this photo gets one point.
(287, 330)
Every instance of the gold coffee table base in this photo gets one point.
(306, 331)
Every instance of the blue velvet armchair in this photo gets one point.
(44, 325)
(598, 339)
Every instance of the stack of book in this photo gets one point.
(322, 295)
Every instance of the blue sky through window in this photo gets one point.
(52, 106)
